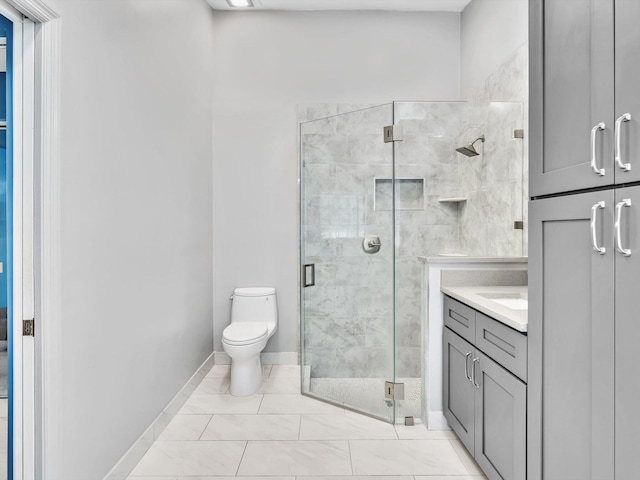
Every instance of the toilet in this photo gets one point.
(254, 319)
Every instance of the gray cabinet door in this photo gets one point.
(500, 421)
(571, 339)
(571, 91)
(627, 411)
(627, 61)
(458, 390)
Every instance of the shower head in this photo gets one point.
(470, 150)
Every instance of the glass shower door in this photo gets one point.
(347, 260)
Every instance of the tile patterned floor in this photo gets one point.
(281, 435)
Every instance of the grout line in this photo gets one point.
(205, 427)
(299, 426)
(260, 406)
(350, 457)
(242, 457)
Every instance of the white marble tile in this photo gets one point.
(467, 460)
(449, 477)
(266, 370)
(296, 458)
(172, 477)
(4, 408)
(219, 371)
(286, 371)
(359, 477)
(211, 385)
(405, 457)
(344, 427)
(280, 385)
(253, 427)
(185, 427)
(204, 404)
(293, 404)
(292, 477)
(191, 458)
(420, 432)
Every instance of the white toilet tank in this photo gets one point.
(255, 305)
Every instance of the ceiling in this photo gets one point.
(392, 5)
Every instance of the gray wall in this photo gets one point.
(491, 32)
(266, 64)
(136, 229)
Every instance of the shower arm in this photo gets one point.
(479, 138)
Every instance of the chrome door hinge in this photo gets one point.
(393, 133)
(28, 328)
(394, 391)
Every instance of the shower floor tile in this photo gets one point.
(282, 435)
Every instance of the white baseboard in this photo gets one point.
(267, 358)
(436, 421)
(133, 456)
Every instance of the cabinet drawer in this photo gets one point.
(460, 318)
(505, 345)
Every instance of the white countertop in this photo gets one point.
(447, 259)
(517, 319)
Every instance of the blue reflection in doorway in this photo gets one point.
(6, 231)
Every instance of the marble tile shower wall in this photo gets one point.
(431, 133)
(348, 329)
(510, 83)
(492, 181)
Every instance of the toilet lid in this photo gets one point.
(243, 333)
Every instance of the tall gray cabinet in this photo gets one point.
(585, 107)
(584, 266)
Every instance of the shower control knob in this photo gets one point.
(371, 244)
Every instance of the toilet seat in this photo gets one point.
(244, 333)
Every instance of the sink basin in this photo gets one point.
(514, 301)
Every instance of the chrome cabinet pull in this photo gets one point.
(623, 118)
(594, 167)
(466, 366)
(594, 238)
(473, 372)
(624, 203)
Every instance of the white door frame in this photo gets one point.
(36, 245)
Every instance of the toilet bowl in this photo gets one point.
(254, 319)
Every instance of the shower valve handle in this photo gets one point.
(371, 244)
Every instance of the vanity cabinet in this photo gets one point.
(585, 110)
(484, 403)
(584, 420)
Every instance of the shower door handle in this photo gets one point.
(309, 267)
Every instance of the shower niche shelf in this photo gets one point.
(409, 193)
(452, 199)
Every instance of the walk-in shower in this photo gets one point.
(369, 208)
